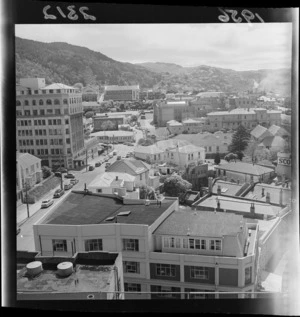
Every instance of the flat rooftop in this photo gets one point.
(227, 188)
(84, 209)
(239, 205)
(200, 223)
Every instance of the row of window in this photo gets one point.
(198, 244)
(50, 91)
(43, 132)
(49, 102)
(41, 151)
(41, 122)
(41, 112)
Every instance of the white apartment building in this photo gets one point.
(49, 122)
(164, 249)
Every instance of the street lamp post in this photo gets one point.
(26, 188)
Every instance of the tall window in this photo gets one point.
(18, 103)
(26, 103)
(56, 102)
(199, 272)
(165, 270)
(59, 245)
(130, 245)
(131, 267)
(41, 102)
(215, 245)
(49, 102)
(65, 101)
(93, 245)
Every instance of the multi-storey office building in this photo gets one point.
(249, 118)
(49, 122)
(164, 248)
(122, 93)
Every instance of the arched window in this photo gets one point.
(18, 103)
(41, 102)
(65, 101)
(49, 102)
(26, 103)
(33, 102)
(56, 102)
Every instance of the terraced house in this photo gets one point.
(49, 122)
(167, 252)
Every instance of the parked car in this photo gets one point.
(114, 152)
(74, 181)
(106, 159)
(68, 186)
(69, 175)
(118, 157)
(58, 174)
(107, 165)
(58, 193)
(47, 203)
(18, 230)
(127, 155)
(97, 164)
(110, 155)
(62, 170)
(91, 168)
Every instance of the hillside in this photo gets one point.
(70, 64)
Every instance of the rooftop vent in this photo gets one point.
(109, 218)
(124, 213)
(65, 269)
(34, 268)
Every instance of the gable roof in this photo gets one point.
(151, 149)
(131, 166)
(275, 130)
(245, 168)
(273, 141)
(258, 131)
(106, 179)
(59, 86)
(26, 159)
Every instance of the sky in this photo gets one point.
(237, 46)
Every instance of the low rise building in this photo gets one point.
(273, 143)
(193, 126)
(138, 169)
(249, 118)
(245, 172)
(122, 93)
(80, 275)
(120, 184)
(179, 153)
(167, 252)
(118, 136)
(29, 172)
(175, 127)
(107, 123)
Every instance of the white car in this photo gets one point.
(47, 203)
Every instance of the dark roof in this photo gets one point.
(245, 168)
(82, 209)
(136, 166)
(200, 223)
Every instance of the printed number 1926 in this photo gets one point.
(248, 16)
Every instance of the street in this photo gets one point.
(25, 239)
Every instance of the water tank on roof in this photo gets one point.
(65, 269)
(34, 268)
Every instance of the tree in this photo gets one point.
(145, 142)
(240, 139)
(89, 114)
(231, 156)
(217, 158)
(240, 155)
(147, 192)
(174, 186)
(46, 171)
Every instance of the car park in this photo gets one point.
(68, 186)
(47, 203)
(58, 193)
(74, 181)
(91, 168)
(69, 175)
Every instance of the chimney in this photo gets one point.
(268, 198)
(241, 225)
(219, 190)
(262, 192)
(252, 209)
(281, 197)
(218, 204)
(116, 178)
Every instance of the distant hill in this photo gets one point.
(71, 64)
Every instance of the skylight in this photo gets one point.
(224, 190)
(124, 213)
(109, 218)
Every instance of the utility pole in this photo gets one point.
(26, 188)
(86, 159)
